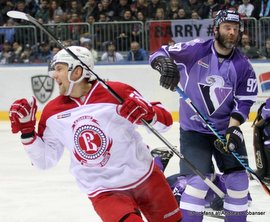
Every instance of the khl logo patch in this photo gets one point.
(42, 86)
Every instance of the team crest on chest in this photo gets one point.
(92, 146)
(214, 93)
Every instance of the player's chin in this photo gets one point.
(230, 45)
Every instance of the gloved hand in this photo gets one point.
(234, 138)
(169, 73)
(22, 116)
(135, 108)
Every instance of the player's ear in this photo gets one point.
(77, 73)
(215, 31)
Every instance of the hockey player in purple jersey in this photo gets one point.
(221, 82)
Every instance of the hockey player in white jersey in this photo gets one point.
(108, 157)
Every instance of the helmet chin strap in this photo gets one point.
(71, 85)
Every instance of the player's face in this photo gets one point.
(228, 34)
(60, 76)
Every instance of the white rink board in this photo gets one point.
(31, 195)
(15, 82)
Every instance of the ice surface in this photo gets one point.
(31, 195)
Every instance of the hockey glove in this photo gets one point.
(234, 138)
(135, 108)
(22, 116)
(169, 73)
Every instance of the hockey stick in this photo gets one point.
(27, 17)
(184, 96)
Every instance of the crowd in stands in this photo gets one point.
(92, 11)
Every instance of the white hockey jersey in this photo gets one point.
(106, 151)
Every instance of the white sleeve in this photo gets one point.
(45, 152)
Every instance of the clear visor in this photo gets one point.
(53, 63)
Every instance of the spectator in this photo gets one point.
(193, 5)
(106, 8)
(138, 28)
(126, 35)
(246, 9)
(261, 8)
(140, 17)
(90, 19)
(127, 16)
(72, 10)
(250, 51)
(32, 6)
(55, 10)
(181, 14)
(195, 15)
(265, 51)
(209, 7)
(8, 31)
(7, 55)
(5, 6)
(229, 5)
(21, 7)
(44, 55)
(160, 14)
(59, 31)
(90, 9)
(17, 49)
(27, 55)
(172, 9)
(103, 17)
(136, 53)
(140, 6)
(120, 9)
(87, 43)
(68, 42)
(55, 49)
(74, 29)
(111, 56)
(43, 12)
(153, 6)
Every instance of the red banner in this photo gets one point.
(160, 34)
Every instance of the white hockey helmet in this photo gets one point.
(64, 57)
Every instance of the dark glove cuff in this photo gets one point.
(238, 117)
(28, 135)
(232, 128)
(156, 64)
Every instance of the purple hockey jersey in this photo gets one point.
(217, 86)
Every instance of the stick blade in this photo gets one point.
(17, 15)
